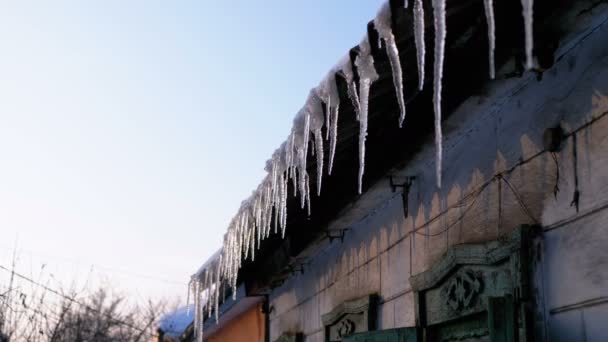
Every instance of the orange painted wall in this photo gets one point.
(248, 327)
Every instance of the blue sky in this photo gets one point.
(130, 131)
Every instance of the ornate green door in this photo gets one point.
(392, 335)
(477, 292)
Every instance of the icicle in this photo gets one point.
(367, 75)
(209, 289)
(333, 137)
(302, 184)
(440, 33)
(188, 298)
(419, 40)
(528, 12)
(198, 326)
(349, 75)
(306, 139)
(290, 157)
(252, 242)
(268, 214)
(328, 92)
(489, 9)
(319, 148)
(206, 288)
(244, 243)
(276, 220)
(382, 23)
(301, 134)
(327, 118)
(259, 234)
(334, 97)
(284, 207)
(315, 110)
(308, 193)
(406, 4)
(218, 281)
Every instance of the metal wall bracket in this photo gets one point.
(337, 234)
(404, 193)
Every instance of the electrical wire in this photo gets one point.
(72, 300)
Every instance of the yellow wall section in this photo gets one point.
(248, 327)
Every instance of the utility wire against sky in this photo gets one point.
(70, 299)
(98, 267)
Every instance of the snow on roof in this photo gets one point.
(175, 323)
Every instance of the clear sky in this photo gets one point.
(130, 131)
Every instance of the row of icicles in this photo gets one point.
(266, 208)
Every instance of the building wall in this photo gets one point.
(249, 326)
(490, 133)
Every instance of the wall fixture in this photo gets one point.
(335, 234)
(404, 193)
(553, 138)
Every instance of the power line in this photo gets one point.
(73, 300)
(97, 266)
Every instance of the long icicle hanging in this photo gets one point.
(489, 10)
(218, 282)
(334, 97)
(419, 41)
(382, 22)
(440, 33)
(367, 75)
(527, 12)
(328, 92)
(314, 106)
(351, 88)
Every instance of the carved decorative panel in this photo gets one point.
(462, 290)
(349, 318)
(476, 292)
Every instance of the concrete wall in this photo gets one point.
(490, 133)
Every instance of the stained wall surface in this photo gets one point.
(499, 132)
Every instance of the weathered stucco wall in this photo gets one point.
(489, 134)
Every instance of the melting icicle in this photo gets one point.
(440, 33)
(328, 92)
(218, 281)
(188, 298)
(252, 242)
(315, 110)
(197, 312)
(489, 9)
(419, 40)
(382, 23)
(334, 97)
(333, 137)
(351, 88)
(301, 134)
(367, 75)
(319, 148)
(308, 193)
(284, 207)
(527, 12)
